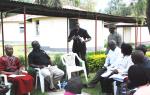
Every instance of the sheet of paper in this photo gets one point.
(106, 74)
(118, 77)
(15, 75)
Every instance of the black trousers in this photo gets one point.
(106, 85)
(97, 77)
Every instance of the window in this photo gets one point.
(21, 27)
(37, 27)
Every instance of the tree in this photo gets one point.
(75, 3)
(49, 3)
(55, 3)
(88, 5)
(118, 7)
(138, 10)
(28, 1)
(148, 14)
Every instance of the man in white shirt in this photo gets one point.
(122, 65)
(117, 70)
(113, 54)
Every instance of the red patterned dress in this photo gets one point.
(22, 84)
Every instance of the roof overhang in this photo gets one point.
(35, 9)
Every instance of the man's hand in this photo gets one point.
(115, 71)
(81, 39)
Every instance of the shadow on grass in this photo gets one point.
(91, 91)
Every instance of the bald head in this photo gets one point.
(112, 44)
(112, 28)
(137, 57)
(9, 50)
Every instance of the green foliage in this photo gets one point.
(38, 92)
(118, 7)
(139, 8)
(57, 61)
(22, 60)
(49, 3)
(148, 47)
(55, 3)
(92, 91)
(95, 60)
(88, 5)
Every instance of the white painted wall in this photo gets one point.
(53, 32)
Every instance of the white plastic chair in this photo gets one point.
(41, 78)
(6, 83)
(69, 61)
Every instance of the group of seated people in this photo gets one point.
(123, 61)
(37, 58)
(134, 65)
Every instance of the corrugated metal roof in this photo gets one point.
(35, 9)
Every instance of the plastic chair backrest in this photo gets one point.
(69, 59)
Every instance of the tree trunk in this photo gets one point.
(148, 14)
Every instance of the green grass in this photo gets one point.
(91, 91)
(19, 51)
(38, 92)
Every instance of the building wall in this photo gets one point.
(53, 32)
(129, 34)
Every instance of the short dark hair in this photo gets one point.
(142, 48)
(35, 44)
(126, 49)
(137, 57)
(137, 75)
(73, 84)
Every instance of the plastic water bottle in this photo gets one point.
(123, 89)
(63, 84)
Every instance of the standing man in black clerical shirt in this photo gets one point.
(80, 37)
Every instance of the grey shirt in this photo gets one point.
(116, 37)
